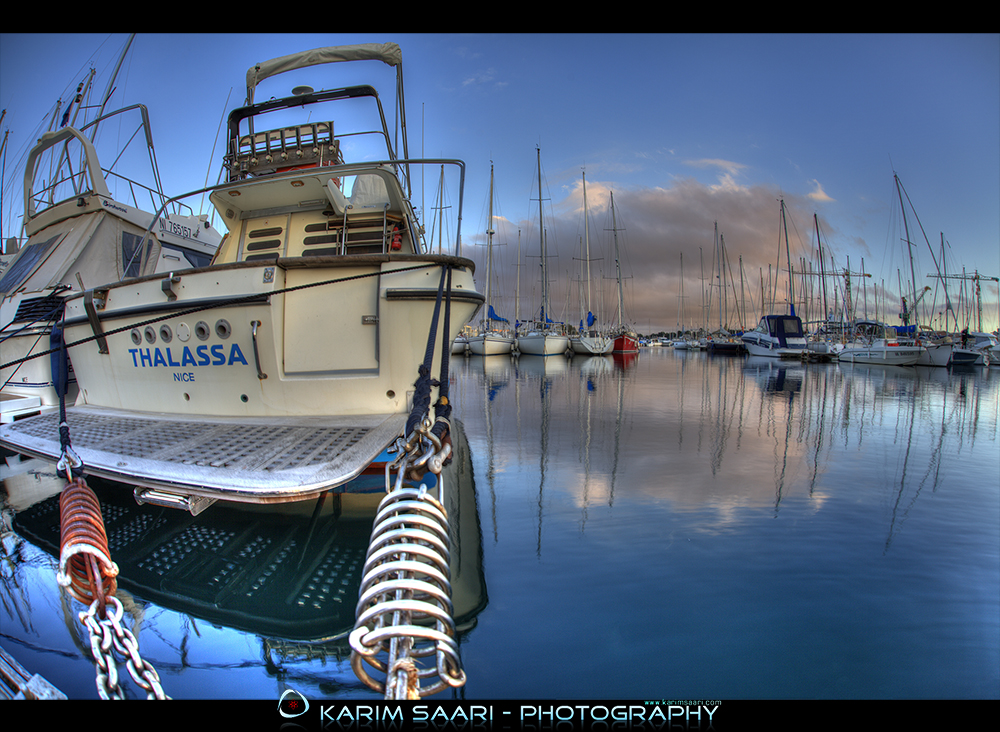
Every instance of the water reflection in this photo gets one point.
(720, 433)
(287, 577)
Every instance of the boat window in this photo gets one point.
(131, 254)
(791, 327)
(25, 264)
(195, 259)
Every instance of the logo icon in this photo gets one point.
(292, 704)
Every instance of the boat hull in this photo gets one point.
(295, 338)
(880, 355)
(625, 343)
(935, 354)
(965, 357)
(543, 344)
(591, 345)
(490, 344)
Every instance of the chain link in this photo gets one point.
(108, 633)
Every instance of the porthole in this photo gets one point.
(150, 334)
(136, 336)
(202, 331)
(223, 329)
(166, 335)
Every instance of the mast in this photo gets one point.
(489, 256)
(718, 257)
(909, 251)
(618, 267)
(822, 276)
(681, 308)
(517, 285)
(541, 235)
(586, 235)
(111, 81)
(788, 256)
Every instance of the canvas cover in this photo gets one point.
(99, 247)
(388, 53)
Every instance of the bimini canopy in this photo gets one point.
(388, 53)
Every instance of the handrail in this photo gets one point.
(335, 171)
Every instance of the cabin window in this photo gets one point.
(195, 259)
(791, 327)
(25, 264)
(132, 254)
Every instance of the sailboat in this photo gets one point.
(722, 341)
(490, 340)
(589, 340)
(876, 343)
(626, 340)
(79, 235)
(779, 336)
(932, 352)
(288, 366)
(542, 337)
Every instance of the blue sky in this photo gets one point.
(687, 131)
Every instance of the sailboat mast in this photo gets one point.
(718, 258)
(788, 256)
(618, 266)
(541, 235)
(822, 275)
(682, 295)
(489, 256)
(517, 285)
(586, 235)
(111, 81)
(909, 251)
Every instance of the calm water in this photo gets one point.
(675, 526)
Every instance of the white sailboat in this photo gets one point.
(932, 352)
(542, 337)
(285, 368)
(490, 340)
(876, 343)
(589, 340)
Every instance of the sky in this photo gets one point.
(689, 133)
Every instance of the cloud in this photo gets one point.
(819, 194)
(656, 225)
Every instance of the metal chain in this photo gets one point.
(107, 634)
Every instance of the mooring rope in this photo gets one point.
(404, 611)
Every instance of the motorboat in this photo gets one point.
(876, 343)
(80, 236)
(289, 365)
(776, 336)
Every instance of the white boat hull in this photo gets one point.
(342, 348)
(883, 355)
(935, 354)
(543, 344)
(490, 344)
(591, 345)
